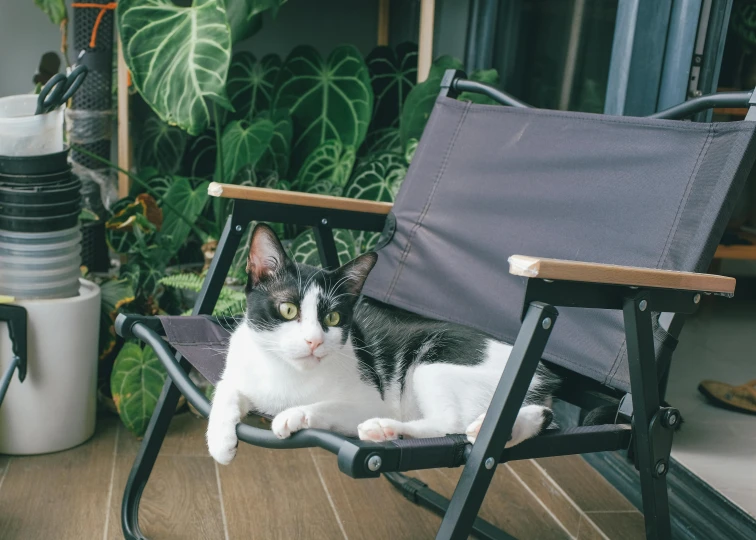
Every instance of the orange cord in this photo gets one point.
(103, 8)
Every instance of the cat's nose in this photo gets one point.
(313, 342)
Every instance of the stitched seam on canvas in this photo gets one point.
(670, 235)
(426, 208)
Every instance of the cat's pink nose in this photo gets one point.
(313, 343)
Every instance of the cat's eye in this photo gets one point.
(332, 319)
(288, 310)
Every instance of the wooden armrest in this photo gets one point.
(295, 198)
(555, 269)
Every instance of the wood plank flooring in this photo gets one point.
(292, 494)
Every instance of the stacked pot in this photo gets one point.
(40, 236)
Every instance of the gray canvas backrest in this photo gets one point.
(488, 182)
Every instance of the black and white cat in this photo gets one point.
(314, 354)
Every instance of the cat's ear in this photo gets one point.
(355, 272)
(266, 254)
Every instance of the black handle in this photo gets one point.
(15, 316)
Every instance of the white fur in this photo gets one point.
(275, 372)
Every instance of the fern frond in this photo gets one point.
(186, 281)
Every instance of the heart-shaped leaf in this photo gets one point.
(382, 140)
(250, 83)
(178, 57)
(276, 156)
(392, 74)
(199, 159)
(245, 16)
(244, 143)
(55, 9)
(160, 145)
(186, 205)
(329, 99)
(419, 103)
(326, 170)
(378, 177)
(304, 249)
(135, 383)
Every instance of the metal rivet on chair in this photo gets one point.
(238, 228)
(374, 462)
(546, 323)
(324, 221)
(696, 298)
(490, 462)
(643, 305)
(661, 467)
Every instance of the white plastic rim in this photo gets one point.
(39, 252)
(40, 263)
(22, 133)
(40, 238)
(55, 407)
(15, 275)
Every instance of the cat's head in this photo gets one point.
(302, 314)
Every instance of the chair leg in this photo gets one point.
(652, 442)
(166, 405)
(145, 460)
(497, 426)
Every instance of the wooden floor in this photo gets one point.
(291, 494)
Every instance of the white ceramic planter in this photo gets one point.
(54, 408)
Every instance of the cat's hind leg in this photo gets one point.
(530, 421)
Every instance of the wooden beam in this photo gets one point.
(425, 47)
(124, 139)
(383, 22)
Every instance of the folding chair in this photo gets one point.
(15, 318)
(642, 201)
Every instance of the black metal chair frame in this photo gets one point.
(15, 317)
(646, 427)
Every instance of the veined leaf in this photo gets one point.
(386, 139)
(161, 146)
(327, 99)
(178, 57)
(393, 75)
(189, 203)
(276, 156)
(419, 103)
(142, 216)
(114, 293)
(250, 83)
(245, 16)
(378, 177)
(135, 383)
(243, 144)
(304, 249)
(326, 170)
(55, 9)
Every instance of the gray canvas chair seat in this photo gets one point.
(487, 183)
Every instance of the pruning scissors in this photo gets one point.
(59, 89)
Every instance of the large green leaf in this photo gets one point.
(244, 143)
(419, 103)
(178, 57)
(329, 99)
(186, 205)
(393, 75)
(378, 177)
(160, 146)
(276, 156)
(135, 383)
(326, 170)
(386, 139)
(250, 83)
(245, 16)
(304, 249)
(55, 9)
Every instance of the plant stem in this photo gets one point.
(141, 183)
(219, 176)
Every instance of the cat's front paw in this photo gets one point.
(379, 430)
(222, 444)
(290, 421)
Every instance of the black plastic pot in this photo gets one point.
(20, 180)
(40, 210)
(70, 191)
(39, 224)
(31, 165)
